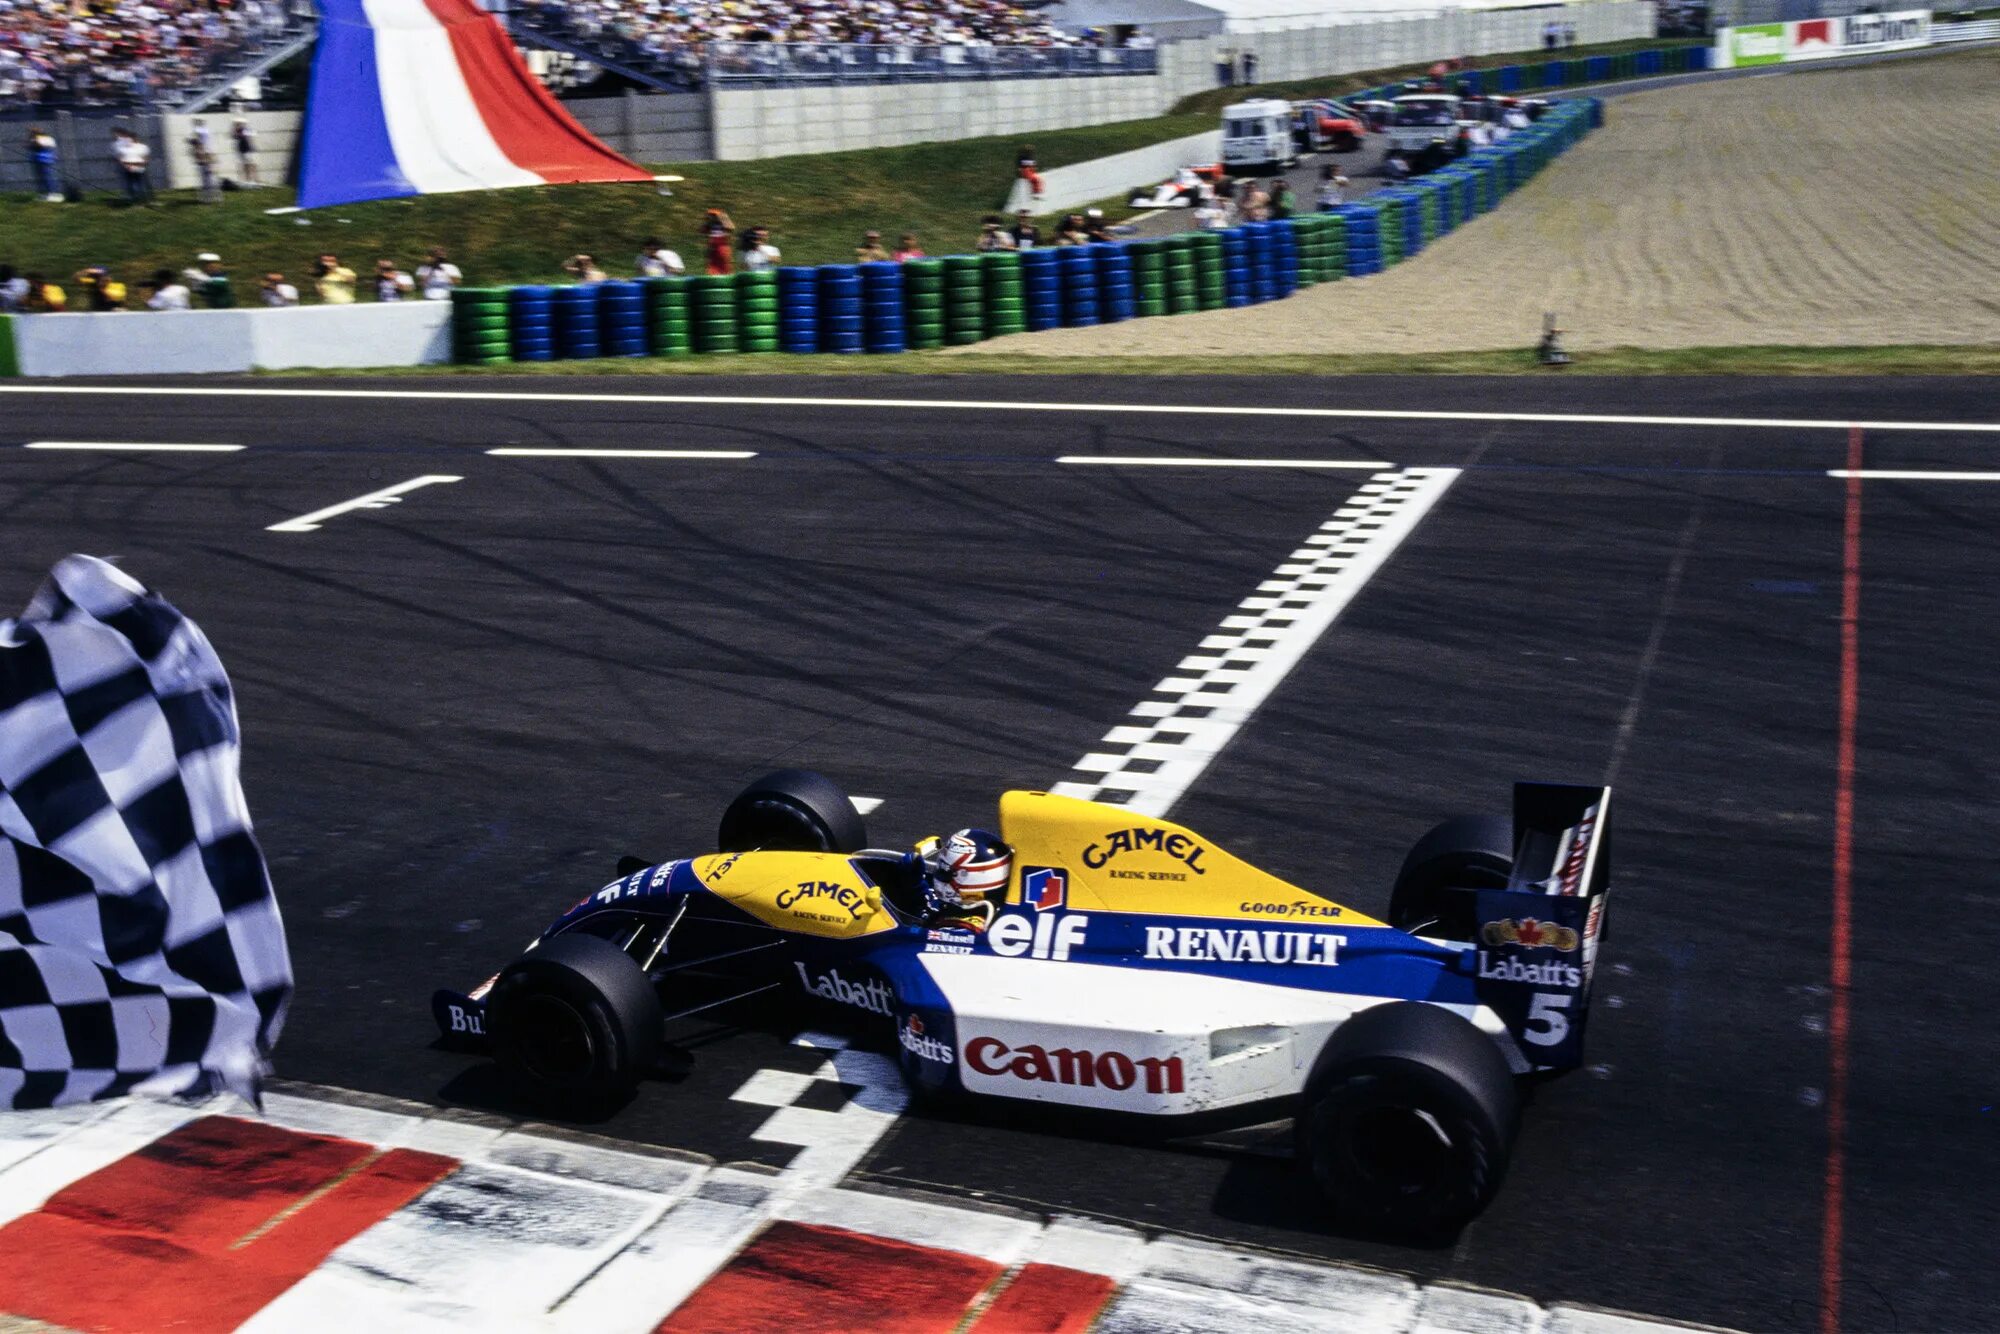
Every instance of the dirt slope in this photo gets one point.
(1836, 207)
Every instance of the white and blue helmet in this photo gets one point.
(968, 872)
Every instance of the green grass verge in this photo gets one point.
(1912, 360)
(1339, 85)
(817, 207)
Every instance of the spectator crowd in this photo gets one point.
(115, 52)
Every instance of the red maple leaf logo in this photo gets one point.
(1530, 932)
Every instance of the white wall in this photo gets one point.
(409, 333)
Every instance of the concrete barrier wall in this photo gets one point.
(652, 127)
(777, 122)
(410, 333)
(1067, 188)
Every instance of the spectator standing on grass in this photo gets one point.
(169, 292)
(992, 236)
(133, 159)
(391, 283)
(1255, 206)
(1283, 201)
(211, 281)
(870, 250)
(1025, 168)
(13, 291)
(907, 248)
(42, 153)
(1332, 191)
(1249, 67)
(1569, 34)
(583, 268)
(201, 149)
(656, 261)
(1549, 35)
(1026, 235)
(278, 293)
(716, 231)
(45, 298)
(437, 275)
(101, 292)
(1225, 69)
(333, 281)
(758, 252)
(245, 140)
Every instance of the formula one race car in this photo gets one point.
(1128, 965)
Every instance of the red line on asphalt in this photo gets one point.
(1046, 1299)
(796, 1278)
(1840, 974)
(200, 1229)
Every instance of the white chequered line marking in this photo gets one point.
(1169, 738)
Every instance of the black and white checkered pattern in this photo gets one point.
(1149, 760)
(140, 946)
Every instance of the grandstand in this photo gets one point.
(144, 53)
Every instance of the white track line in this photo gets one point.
(131, 447)
(513, 452)
(155, 392)
(1162, 461)
(1893, 475)
(1169, 739)
(374, 500)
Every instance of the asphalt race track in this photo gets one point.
(463, 707)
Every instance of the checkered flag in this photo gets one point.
(140, 946)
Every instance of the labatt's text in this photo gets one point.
(1505, 969)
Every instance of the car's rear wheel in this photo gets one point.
(792, 810)
(1466, 852)
(1407, 1121)
(574, 1024)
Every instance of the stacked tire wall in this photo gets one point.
(959, 300)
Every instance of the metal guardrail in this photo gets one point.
(1979, 30)
(752, 63)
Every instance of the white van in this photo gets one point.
(1257, 137)
(1418, 118)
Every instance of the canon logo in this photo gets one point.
(1065, 1065)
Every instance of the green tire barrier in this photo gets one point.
(715, 324)
(1004, 311)
(10, 363)
(757, 311)
(1210, 291)
(479, 326)
(964, 300)
(923, 303)
(669, 330)
(1149, 276)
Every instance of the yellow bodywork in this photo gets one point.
(810, 893)
(1118, 860)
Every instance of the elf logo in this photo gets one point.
(1045, 936)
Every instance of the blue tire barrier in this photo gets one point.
(1285, 256)
(1077, 268)
(882, 307)
(1597, 69)
(530, 321)
(1257, 246)
(621, 319)
(1114, 282)
(577, 332)
(798, 309)
(841, 323)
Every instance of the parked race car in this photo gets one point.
(1115, 962)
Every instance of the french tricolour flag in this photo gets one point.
(417, 97)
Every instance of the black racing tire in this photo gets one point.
(1408, 1121)
(792, 810)
(574, 1024)
(1465, 852)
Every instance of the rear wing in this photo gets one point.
(1536, 943)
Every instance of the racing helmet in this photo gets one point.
(968, 871)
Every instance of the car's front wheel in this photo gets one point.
(1407, 1122)
(574, 1024)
